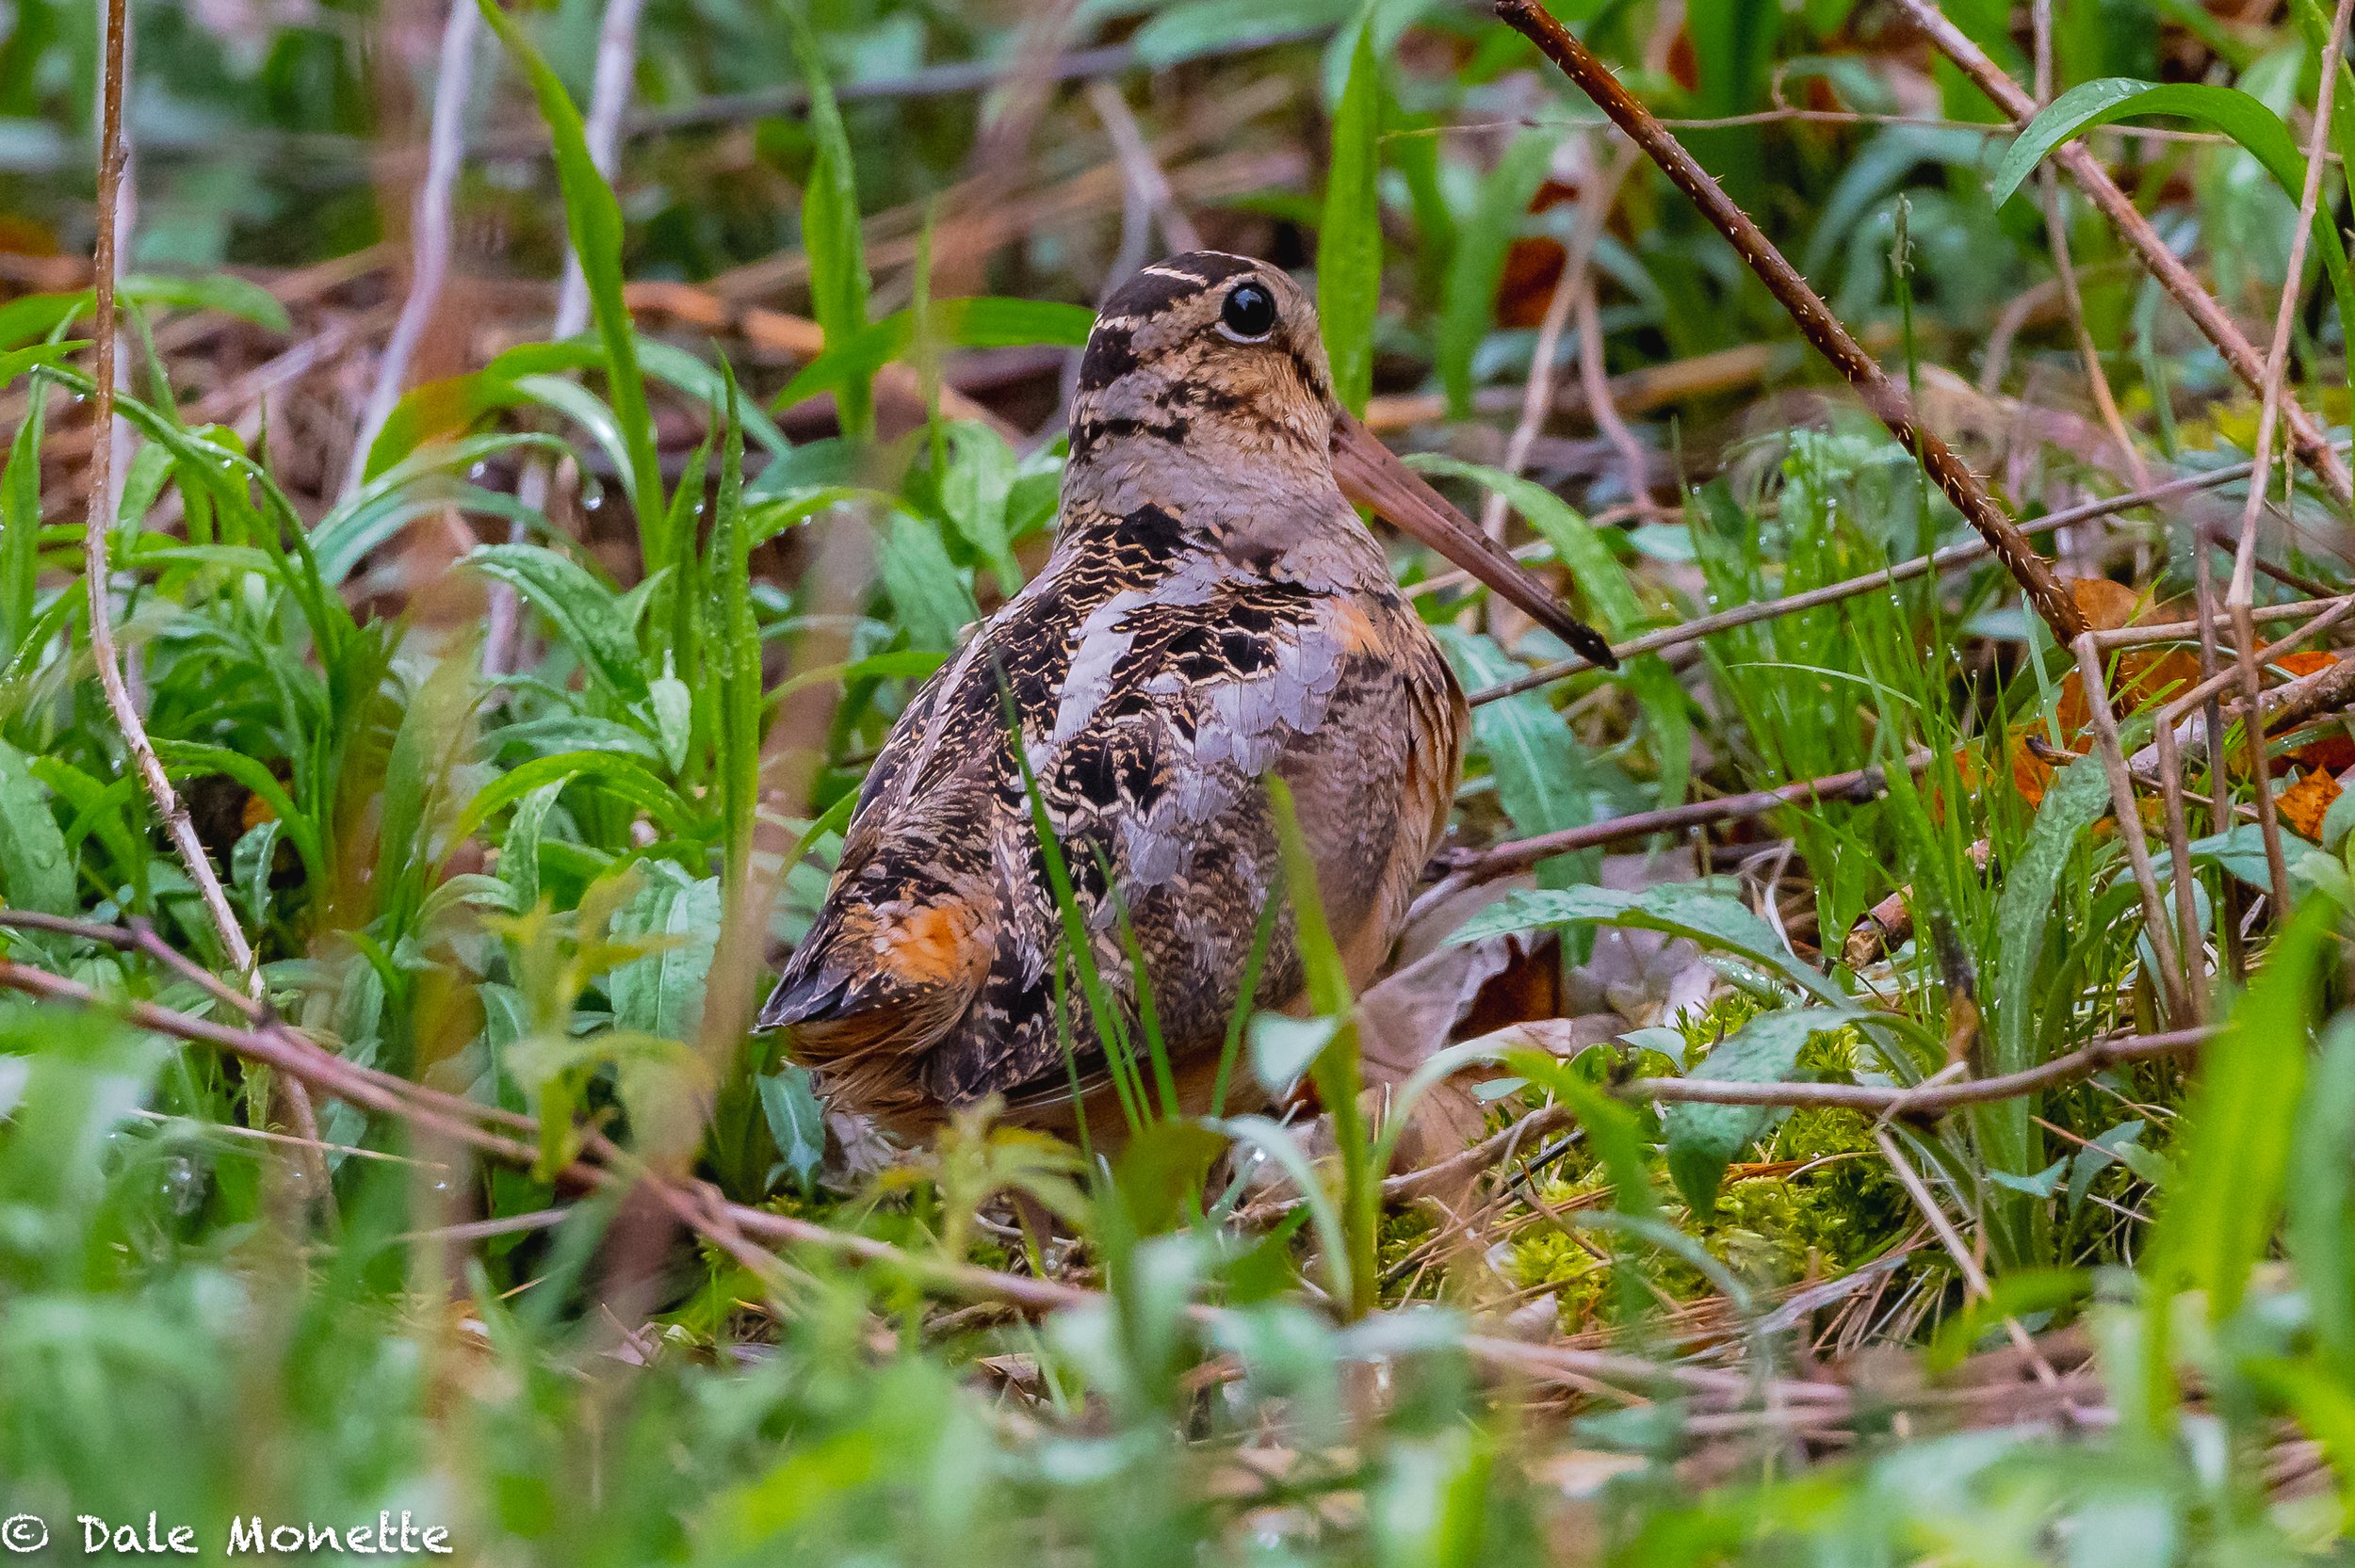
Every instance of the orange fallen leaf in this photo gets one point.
(2304, 804)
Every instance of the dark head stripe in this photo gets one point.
(1210, 266)
(1164, 283)
(1111, 354)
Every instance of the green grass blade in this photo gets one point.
(1349, 242)
(1479, 262)
(593, 220)
(830, 229)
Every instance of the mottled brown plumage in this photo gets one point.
(1213, 613)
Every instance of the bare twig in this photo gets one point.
(2065, 270)
(430, 238)
(2080, 165)
(1614, 430)
(2180, 631)
(2284, 706)
(1925, 1103)
(1498, 860)
(1973, 1277)
(1883, 396)
(1538, 392)
(2104, 723)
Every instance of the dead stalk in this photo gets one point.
(2078, 162)
(1973, 1277)
(2188, 932)
(95, 573)
(1593, 207)
(2129, 831)
(429, 240)
(2065, 270)
(2242, 594)
(1141, 171)
(1884, 398)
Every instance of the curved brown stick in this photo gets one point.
(1883, 396)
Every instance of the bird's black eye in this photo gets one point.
(1249, 313)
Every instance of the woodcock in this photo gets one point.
(1213, 613)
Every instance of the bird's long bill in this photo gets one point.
(1371, 476)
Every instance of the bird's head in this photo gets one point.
(1219, 357)
(1208, 352)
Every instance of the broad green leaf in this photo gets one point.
(35, 872)
(585, 613)
(194, 758)
(1544, 776)
(676, 369)
(34, 316)
(20, 528)
(1349, 242)
(250, 864)
(2073, 803)
(662, 993)
(732, 637)
(981, 322)
(1703, 1139)
(224, 292)
(630, 777)
(974, 491)
(927, 592)
(1678, 909)
(797, 1123)
(1283, 1047)
(1612, 1127)
(2238, 114)
(1478, 263)
(2319, 1227)
(519, 850)
(1578, 545)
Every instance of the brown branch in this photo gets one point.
(2079, 164)
(1922, 1103)
(1883, 396)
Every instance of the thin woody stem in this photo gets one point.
(2123, 801)
(2241, 595)
(98, 526)
(1883, 396)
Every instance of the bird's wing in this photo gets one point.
(1147, 756)
(910, 922)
